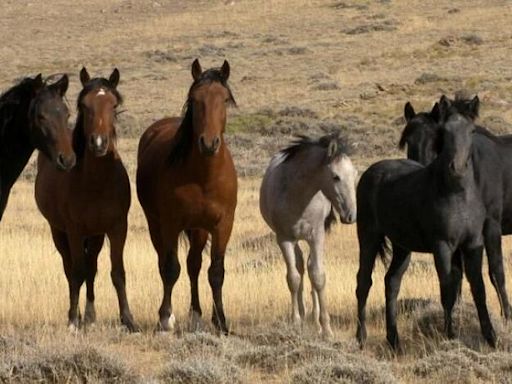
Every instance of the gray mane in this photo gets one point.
(303, 142)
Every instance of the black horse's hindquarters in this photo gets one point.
(425, 210)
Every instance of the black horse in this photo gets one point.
(435, 209)
(493, 170)
(33, 115)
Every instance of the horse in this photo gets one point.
(302, 187)
(186, 181)
(33, 115)
(431, 209)
(90, 201)
(493, 166)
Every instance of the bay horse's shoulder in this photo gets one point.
(160, 132)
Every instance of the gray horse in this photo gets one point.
(302, 187)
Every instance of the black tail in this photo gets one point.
(384, 250)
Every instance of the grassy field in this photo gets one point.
(297, 67)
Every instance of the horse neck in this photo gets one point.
(94, 167)
(302, 177)
(446, 184)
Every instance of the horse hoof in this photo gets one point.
(327, 334)
(394, 344)
(491, 339)
(133, 328)
(166, 324)
(361, 336)
(196, 323)
(73, 327)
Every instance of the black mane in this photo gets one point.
(182, 143)
(303, 142)
(19, 95)
(79, 141)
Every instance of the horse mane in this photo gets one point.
(462, 104)
(79, 133)
(18, 94)
(183, 140)
(303, 142)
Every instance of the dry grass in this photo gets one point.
(297, 67)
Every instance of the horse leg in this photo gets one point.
(220, 238)
(197, 238)
(60, 240)
(393, 280)
(457, 267)
(368, 249)
(77, 277)
(492, 241)
(293, 277)
(448, 285)
(316, 273)
(299, 264)
(117, 237)
(169, 268)
(92, 248)
(473, 268)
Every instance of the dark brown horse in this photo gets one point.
(33, 115)
(92, 200)
(186, 181)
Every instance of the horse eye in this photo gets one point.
(336, 178)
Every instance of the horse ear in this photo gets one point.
(61, 86)
(114, 78)
(84, 76)
(196, 69)
(435, 113)
(38, 82)
(474, 106)
(332, 149)
(224, 70)
(444, 105)
(409, 112)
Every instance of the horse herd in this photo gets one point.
(452, 197)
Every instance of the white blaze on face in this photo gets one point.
(98, 141)
(101, 92)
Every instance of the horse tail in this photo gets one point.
(384, 250)
(330, 220)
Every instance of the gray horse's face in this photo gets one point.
(340, 188)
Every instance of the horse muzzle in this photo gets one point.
(98, 144)
(209, 149)
(65, 163)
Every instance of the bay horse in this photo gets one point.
(493, 168)
(186, 181)
(302, 187)
(33, 115)
(90, 201)
(431, 209)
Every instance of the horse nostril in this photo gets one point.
(60, 160)
(216, 143)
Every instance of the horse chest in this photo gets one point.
(99, 208)
(198, 207)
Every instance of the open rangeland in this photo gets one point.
(297, 67)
